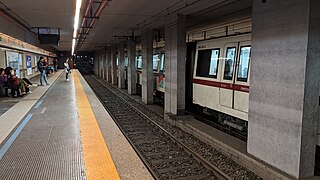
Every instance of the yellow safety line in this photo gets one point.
(97, 159)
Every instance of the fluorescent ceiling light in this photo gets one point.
(73, 45)
(76, 24)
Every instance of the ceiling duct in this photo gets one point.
(92, 13)
(50, 36)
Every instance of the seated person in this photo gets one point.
(3, 78)
(3, 83)
(13, 83)
(22, 85)
(29, 83)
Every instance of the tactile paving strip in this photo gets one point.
(97, 159)
(49, 146)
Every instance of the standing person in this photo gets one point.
(46, 65)
(67, 69)
(55, 64)
(42, 69)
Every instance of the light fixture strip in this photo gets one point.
(76, 24)
(73, 45)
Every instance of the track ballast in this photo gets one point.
(167, 151)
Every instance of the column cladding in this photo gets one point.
(284, 84)
(175, 65)
(132, 74)
(147, 71)
(121, 79)
(114, 64)
(109, 64)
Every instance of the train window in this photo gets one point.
(208, 61)
(155, 61)
(139, 62)
(126, 61)
(243, 67)
(162, 62)
(230, 58)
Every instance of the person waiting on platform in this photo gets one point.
(13, 83)
(3, 82)
(55, 64)
(42, 69)
(67, 69)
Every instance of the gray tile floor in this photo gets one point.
(49, 146)
(7, 102)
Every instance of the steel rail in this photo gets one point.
(220, 174)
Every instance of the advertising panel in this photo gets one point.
(29, 65)
(14, 60)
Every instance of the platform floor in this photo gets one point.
(62, 131)
(7, 102)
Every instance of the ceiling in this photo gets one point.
(121, 16)
(48, 13)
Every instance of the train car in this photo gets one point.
(158, 73)
(221, 79)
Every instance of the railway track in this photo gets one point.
(167, 152)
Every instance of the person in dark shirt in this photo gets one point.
(55, 64)
(42, 69)
(3, 83)
(3, 78)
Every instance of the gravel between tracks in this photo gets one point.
(215, 157)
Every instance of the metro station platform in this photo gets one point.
(62, 131)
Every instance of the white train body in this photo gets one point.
(219, 87)
(222, 75)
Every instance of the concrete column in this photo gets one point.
(284, 85)
(132, 74)
(108, 64)
(97, 58)
(103, 63)
(100, 63)
(147, 71)
(95, 64)
(121, 79)
(175, 65)
(114, 64)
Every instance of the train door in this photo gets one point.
(241, 85)
(227, 79)
(161, 79)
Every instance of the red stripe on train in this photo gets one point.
(235, 87)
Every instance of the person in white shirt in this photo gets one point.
(67, 69)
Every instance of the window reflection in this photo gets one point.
(126, 61)
(214, 63)
(162, 62)
(230, 59)
(244, 61)
(155, 61)
(139, 62)
(207, 64)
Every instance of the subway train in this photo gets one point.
(221, 78)
(218, 79)
(158, 73)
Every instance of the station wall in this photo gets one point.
(11, 28)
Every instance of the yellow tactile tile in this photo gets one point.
(97, 159)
